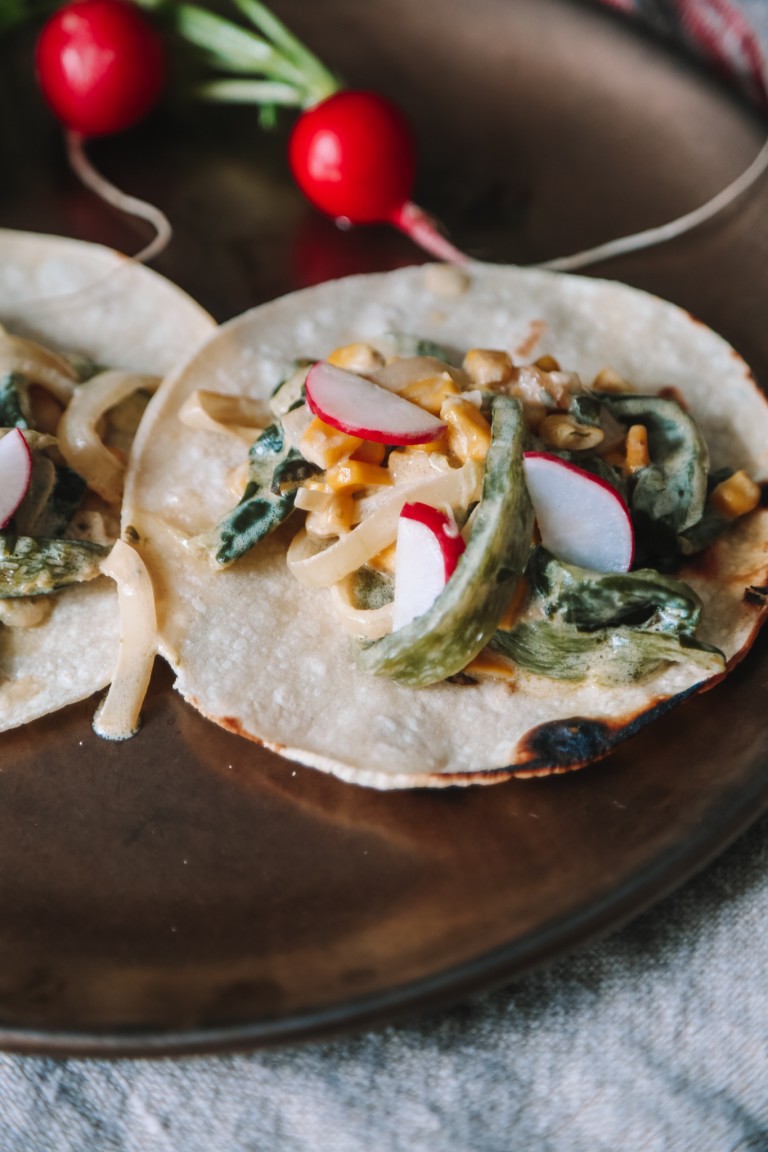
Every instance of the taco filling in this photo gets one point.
(456, 534)
(456, 547)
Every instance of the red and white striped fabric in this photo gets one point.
(715, 30)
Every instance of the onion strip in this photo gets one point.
(371, 623)
(79, 441)
(238, 416)
(117, 717)
(458, 487)
(38, 364)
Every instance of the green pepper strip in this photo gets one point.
(37, 567)
(261, 509)
(617, 655)
(465, 615)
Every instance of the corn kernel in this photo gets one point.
(431, 392)
(439, 444)
(358, 357)
(737, 495)
(491, 665)
(469, 433)
(636, 448)
(486, 367)
(370, 452)
(334, 518)
(237, 479)
(326, 446)
(562, 431)
(352, 475)
(547, 363)
(607, 380)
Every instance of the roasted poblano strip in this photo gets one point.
(466, 613)
(616, 655)
(406, 344)
(63, 501)
(261, 509)
(668, 496)
(15, 411)
(36, 567)
(371, 589)
(606, 626)
(593, 600)
(713, 522)
(585, 408)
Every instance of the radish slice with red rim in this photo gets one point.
(582, 519)
(361, 408)
(15, 473)
(428, 549)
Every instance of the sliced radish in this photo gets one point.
(581, 519)
(428, 548)
(15, 473)
(361, 408)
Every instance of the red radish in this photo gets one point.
(582, 520)
(101, 68)
(428, 548)
(353, 156)
(100, 65)
(15, 473)
(361, 408)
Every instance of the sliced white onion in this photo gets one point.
(79, 441)
(318, 569)
(117, 718)
(25, 611)
(295, 424)
(370, 623)
(238, 416)
(398, 374)
(38, 364)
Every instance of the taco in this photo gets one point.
(573, 466)
(85, 336)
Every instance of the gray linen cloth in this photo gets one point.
(655, 1039)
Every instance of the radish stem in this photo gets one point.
(422, 230)
(113, 196)
(674, 228)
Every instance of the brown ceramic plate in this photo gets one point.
(189, 891)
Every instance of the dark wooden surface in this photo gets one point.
(188, 890)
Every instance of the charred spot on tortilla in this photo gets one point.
(564, 745)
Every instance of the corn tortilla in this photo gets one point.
(263, 656)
